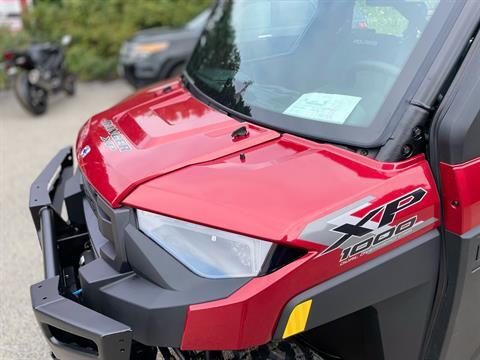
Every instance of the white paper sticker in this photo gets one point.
(331, 108)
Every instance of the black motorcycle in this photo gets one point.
(37, 72)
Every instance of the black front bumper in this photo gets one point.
(90, 334)
(131, 289)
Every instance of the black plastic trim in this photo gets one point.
(112, 338)
(411, 266)
(55, 173)
(47, 240)
(155, 295)
(459, 115)
(455, 133)
(111, 224)
(456, 334)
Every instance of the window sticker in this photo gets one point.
(331, 108)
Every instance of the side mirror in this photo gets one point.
(66, 40)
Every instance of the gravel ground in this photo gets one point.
(26, 144)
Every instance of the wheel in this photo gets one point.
(275, 350)
(33, 98)
(278, 350)
(129, 76)
(140, 84)
(143, 352)
(69, 85)
(176, 70)
(38, 100)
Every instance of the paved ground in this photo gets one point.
(26, 145)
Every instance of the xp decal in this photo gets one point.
(389, 235)
(389, 212)
(364, 234)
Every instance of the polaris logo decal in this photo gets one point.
(358, 235)
(85, 151)
(115, 139)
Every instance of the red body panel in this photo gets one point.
(249, 316)
(165, 132)
(461, 196)
(183, 162)
(278, 189)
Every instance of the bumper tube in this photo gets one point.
(89, 334)
(50, 258)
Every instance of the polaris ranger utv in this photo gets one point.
(309, 189)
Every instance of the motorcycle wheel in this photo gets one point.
(34, 99)
(276, 350)
(69, 85)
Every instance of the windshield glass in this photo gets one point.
(311, 67)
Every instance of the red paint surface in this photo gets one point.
(185, 164)
(167, 131)
(460, 183)
(278, 189)
(249, 316)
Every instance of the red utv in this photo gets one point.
(309, 189)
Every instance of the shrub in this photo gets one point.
(99, 27)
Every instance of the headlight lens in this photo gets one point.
(206, 251)
(150, 48)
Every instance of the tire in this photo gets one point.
(69, 85)
(129, 76)
(140, 84)
(143, 352)
(176, 70)
(278, 350)
(275, 350)
(34, 99)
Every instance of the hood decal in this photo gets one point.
(115, 139)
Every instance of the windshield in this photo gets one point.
(310, 67)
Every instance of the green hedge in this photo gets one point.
(98, 28)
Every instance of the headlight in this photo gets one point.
(208, 252)
(150, 48)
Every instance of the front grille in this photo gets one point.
(90, 195)
(103, 212)
(107, 229)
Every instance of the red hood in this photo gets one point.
(180, 160)
(282, 186)
(154, 133)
